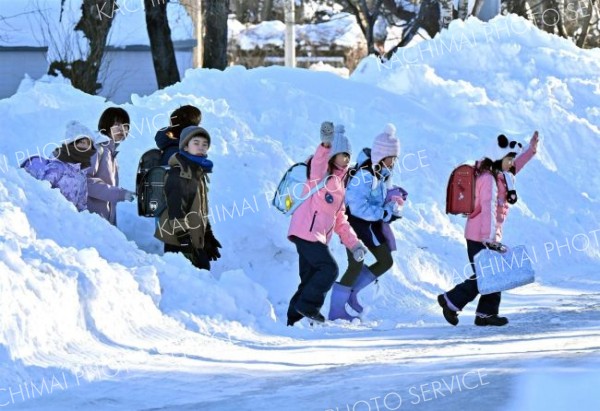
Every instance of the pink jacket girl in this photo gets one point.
(494, 193)
(491, 208)
(314, 222)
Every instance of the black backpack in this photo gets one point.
(150, 183)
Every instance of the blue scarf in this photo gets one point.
(203, 162)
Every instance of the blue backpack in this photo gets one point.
(288, 196)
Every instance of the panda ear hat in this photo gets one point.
(502, 147)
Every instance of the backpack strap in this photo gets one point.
(308, 195)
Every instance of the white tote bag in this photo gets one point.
(501, 272)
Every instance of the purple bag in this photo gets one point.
(396, 191)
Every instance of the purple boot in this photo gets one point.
(339, 296)
(365, 278)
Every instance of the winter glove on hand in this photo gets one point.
(184, 240)
(533, 143)
(326, 132)
(211, 246)
(358, 252)
(496, 246)
(396, 212)
(398, 200)
(129, 195)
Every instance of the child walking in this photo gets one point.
(370, 205)
(315, 219)
(183, 226)
(494, 193)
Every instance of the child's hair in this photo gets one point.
(183, 117)
(494, 167)
(331, 165)
(109, 117)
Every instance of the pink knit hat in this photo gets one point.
(385, 145)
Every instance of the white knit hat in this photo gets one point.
(385, 144)
(74, 130)
(340, 143)
(502, 146)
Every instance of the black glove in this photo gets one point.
(211, 246)
(496, 246)
(389, 217)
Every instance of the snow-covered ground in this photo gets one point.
(95, 318)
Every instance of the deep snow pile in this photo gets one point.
(76, 284)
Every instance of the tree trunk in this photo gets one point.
(96, 20)
(463, 9)
(215, 35)
(398, 11)
(366, 18)
(586, 25)
(549, 16)
(477, 7)
(161, 45)
(446, 7)
(194, 10)
(517, 7)
(267, 10)
(427, 18)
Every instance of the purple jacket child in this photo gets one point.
(67, 177)
(67, 170)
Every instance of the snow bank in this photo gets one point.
(76, 283)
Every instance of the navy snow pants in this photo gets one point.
(318, 272)
(466, 291)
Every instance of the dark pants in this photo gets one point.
(199, 259)
(384, 262)
(466, 292)
(318, 271)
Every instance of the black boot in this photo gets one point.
(450, 315)
(293, 317)
(491, 320)
(315, 316)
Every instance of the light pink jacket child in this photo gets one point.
(316, 219)
(491, 207)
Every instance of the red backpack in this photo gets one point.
(460, 194)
